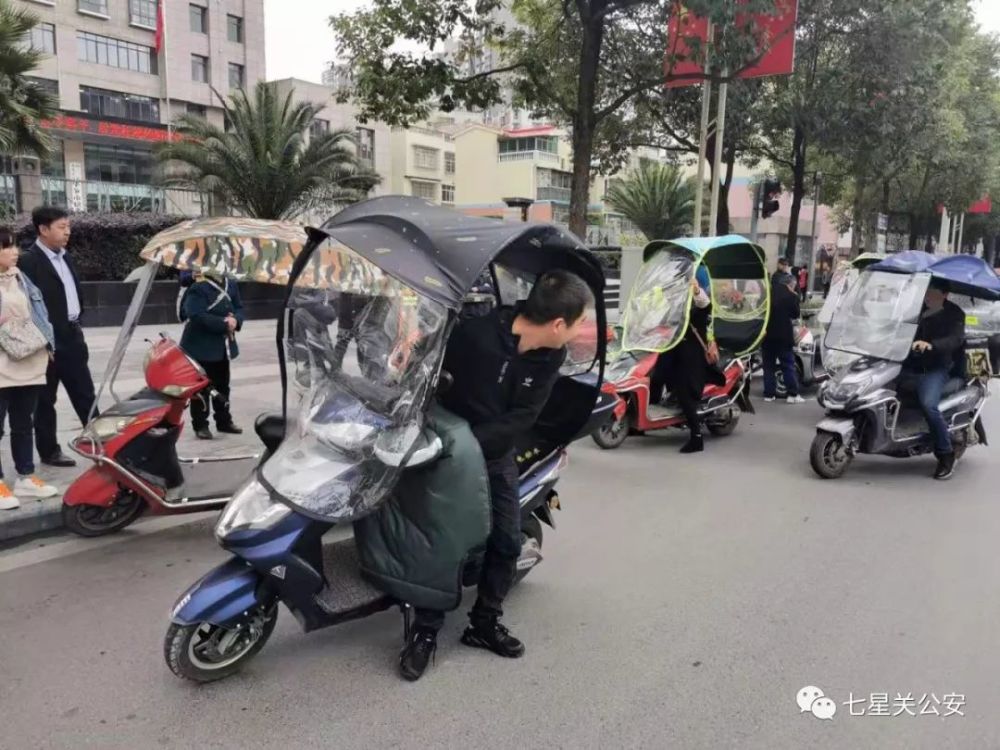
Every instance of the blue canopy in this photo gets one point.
(964, 274)
(728, 257)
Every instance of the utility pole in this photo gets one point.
(818, 181)
(755, 211)
(720, 134)
(706, 103)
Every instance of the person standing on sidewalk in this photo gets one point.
(24, 324)
(49, 267)
(213, 312)
(780, 340)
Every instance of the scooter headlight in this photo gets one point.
(251, 508)
(108, 427)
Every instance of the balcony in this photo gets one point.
(94, 195)
(559, 194)
(541, 156)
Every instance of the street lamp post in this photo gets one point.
(818, 180)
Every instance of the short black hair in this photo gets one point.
(6, 237)
(783, 261)
(43, 216)
(557, 294)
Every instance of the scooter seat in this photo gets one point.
(270, 428)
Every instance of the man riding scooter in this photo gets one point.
(503, 365)
(938, 354)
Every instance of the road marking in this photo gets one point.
(74, 546)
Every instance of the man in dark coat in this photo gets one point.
(213, 312)
(937, 354)
(51, 269)
(779, 340)
(503, 366)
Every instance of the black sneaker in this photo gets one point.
(204, 434)
(945, 466)
(416, 654)
(695, 444)
(230, 429)
(493, 636)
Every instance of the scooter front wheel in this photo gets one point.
(829, 456)
(612, 433)
(207, 652)
(98, 520)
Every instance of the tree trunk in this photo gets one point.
(584, 119)
(798, 190)
(913, 231)
(722, 224)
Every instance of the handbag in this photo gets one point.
(711, 349)
(20, 338)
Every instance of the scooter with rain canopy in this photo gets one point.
(875, 325)
(656, 318)
(133, 443)
(378, 454)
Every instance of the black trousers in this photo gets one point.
(19, 404)
(503, 547)
(71, 367)
(218, 373)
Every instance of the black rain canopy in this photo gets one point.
(439, 252)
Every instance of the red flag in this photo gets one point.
(982, 206)
(682, 68)
(160, 24)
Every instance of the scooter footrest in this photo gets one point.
(345, 589)
(658, 412)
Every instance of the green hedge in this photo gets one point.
(105, 246)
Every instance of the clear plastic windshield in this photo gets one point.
(739, 312)
(843, 279)
(657, 307)
(362, 357)
(879, 315)
(982, 317)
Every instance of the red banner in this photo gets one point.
(113, 129)
(774, 33)
(982, 206)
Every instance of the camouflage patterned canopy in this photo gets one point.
(260, 251)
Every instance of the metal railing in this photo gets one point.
(549, 193)
(426, 131)
(529, 156)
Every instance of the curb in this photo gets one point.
(31, 519)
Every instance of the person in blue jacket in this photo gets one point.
(213, 312)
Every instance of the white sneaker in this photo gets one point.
(796, 400)
(7, 499)
(768, 399)
(34, 487)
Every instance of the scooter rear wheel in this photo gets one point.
(829, 456)
(98, 520)
(206, 652)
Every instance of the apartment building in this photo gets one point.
(424, 163)
(118, 92)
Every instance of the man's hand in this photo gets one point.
(231, 323)
(921, 346)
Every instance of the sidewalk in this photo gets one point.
(256, 387)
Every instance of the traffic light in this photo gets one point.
(769, 204)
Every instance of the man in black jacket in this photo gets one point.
(50, 268)
(779, 340)
(503, 366)
(938, 354)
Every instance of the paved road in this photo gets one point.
(683, 602)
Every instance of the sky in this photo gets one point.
(300, 42)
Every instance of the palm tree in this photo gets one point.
(657, 199)
(263, 165)
(23, 103)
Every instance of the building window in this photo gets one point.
(104, 103)
(319, 127)
(236, 76)
(234, 29)
(199, 68)
(447, 193)
(520, 145)
(47, 85)
(42, 38)
(54, 164)
(449, 162)
(366, 147)
(142, 13)
(426, 190)
(199, 18)
(115, 53)
(132, 166)
(93, 6)
(425, 158)
(197, 110)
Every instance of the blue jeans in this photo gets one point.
(929, 388)
(783, 357)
